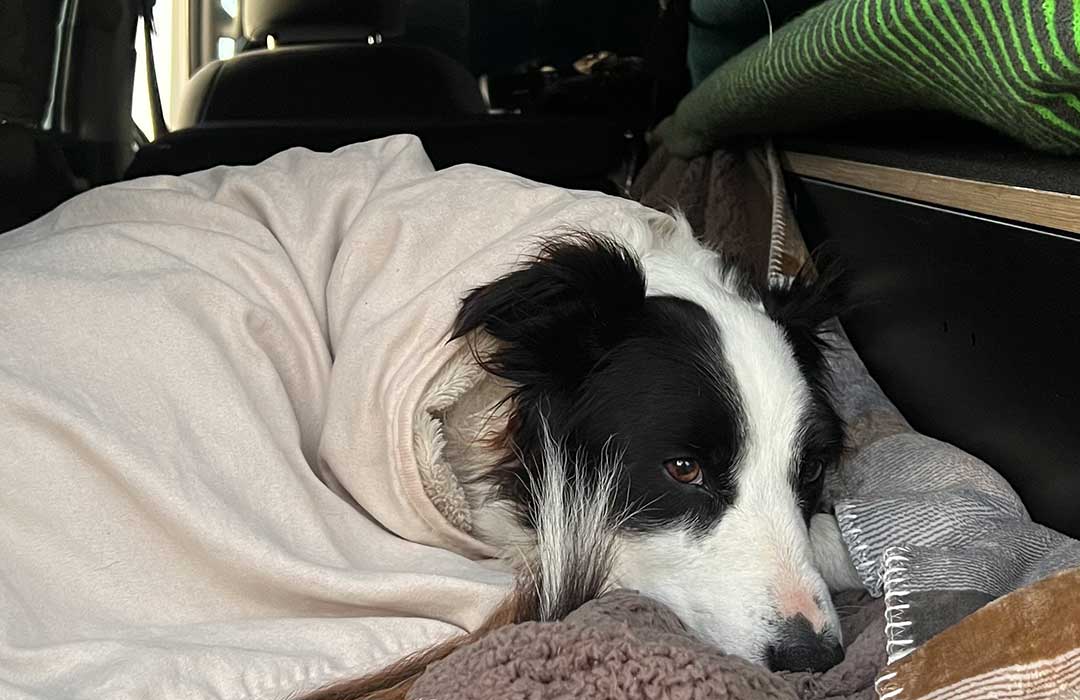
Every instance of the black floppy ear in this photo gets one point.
(805, 303)
(556, 316)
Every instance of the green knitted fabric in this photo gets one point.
(1011, 64)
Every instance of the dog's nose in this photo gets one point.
(800, 648)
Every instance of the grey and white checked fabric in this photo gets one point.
(935, 530)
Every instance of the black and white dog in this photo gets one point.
(695, 406)
(668, 431)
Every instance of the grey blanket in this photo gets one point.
(934, 530)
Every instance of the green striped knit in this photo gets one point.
(1011, 64)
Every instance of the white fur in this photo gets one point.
(735, 584)
(831, 555)
(575, 538)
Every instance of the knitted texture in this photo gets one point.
(624, 647)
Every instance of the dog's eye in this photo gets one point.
(811, 472)
(684, 470)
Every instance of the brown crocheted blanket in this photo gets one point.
(627, 646)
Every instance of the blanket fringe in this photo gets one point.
(899, 642)
(778, 237)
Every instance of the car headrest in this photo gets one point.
(296, 21)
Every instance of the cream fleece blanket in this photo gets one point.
(221, 458)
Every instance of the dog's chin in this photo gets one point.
(717, 634)
(730, 633)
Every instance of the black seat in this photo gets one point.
(327, 60)
(65, 125)
(331, 81)
(570, 152)
(342, 73)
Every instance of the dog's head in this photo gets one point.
(715, 397)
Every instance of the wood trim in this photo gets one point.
(1055, 210)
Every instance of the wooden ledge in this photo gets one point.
(1050, 209)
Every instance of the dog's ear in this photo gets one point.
(804, 304)
(557, 316)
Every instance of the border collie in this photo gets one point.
(669, 426)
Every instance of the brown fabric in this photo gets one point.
(725, 196)
(624, 646)
(1026, 644)
(876, 425)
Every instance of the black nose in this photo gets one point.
(800, 648)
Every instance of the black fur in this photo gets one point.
(608, 368)
(558, 315)
(804, 307)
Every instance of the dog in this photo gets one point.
(669, 428)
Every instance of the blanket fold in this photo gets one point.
(221, 407)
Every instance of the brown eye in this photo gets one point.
(684, 470)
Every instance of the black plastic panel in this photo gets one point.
(971, 326)
(565, 151)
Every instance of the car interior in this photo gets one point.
(502, 84)
(961, 242)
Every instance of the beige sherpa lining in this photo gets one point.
(457, 417)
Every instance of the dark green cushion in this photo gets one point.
(1013, 65)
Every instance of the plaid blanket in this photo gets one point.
(934, 530)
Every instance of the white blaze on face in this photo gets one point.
(738, 581)
(775, 398)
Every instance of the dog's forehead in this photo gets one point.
(771, 388)
(666, 383)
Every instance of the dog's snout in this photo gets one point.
(800, 648)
